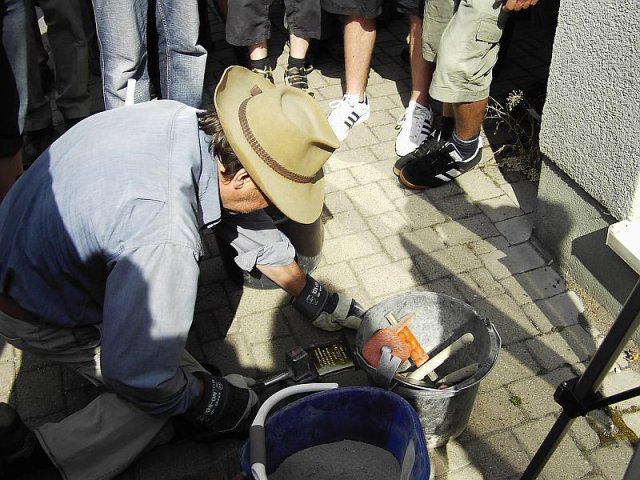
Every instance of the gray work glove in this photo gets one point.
(226, 403)
(327, 311)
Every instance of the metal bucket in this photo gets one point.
(440, 319)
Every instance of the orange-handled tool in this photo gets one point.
(401, 327)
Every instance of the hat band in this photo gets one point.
(262, 153)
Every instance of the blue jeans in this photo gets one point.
(13, 75)
(122, 35)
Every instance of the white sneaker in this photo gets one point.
(347, 113)
(415, 125)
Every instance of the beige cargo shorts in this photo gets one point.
(461, 37)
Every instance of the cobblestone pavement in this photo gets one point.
(471, 239)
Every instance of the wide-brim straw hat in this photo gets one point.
(281, 137)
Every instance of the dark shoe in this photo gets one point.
(22, 455)
(266, 73)
(297, 78)
(438, 167)
(35, 143)
(430, 144)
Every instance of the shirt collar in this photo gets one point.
(209, 209)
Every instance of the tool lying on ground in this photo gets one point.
(310, 364)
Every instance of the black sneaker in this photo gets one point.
(430, 144)
(438, 167)
(266, 73)
(297, 78)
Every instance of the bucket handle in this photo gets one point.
(258, 451)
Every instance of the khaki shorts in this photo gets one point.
(461, 37)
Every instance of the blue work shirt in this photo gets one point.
(104, 229)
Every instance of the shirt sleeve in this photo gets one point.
(148, 310)
(256, 239)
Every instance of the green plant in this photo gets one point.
(517, 124)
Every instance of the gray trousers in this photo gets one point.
(105, 437)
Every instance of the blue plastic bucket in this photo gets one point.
(363, 414)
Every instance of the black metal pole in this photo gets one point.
(587, 384)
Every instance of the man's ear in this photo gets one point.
(240, 179)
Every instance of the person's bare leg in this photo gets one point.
(359, 39)
(421, 70)
(258, 51)
(10, 170)
(298, 46)
(468, 118)
(291, 278)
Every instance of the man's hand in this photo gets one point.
(327, 311)
(225, 403)
(515, 5)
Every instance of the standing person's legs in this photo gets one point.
(13, 79)
(70, 51)
(102, 439)
(248, 25)
(121, 27)
(182, 60)
(359, 39)
(304, 22)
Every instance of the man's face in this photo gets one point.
(240, 194)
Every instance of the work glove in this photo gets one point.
(327, 311)
(225, 405)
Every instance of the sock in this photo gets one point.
(447, 124)
(261, 64)
(466, 148)
(296, 62)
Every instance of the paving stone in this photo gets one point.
(468, 473)
(387, 224)
(491, 412)
(7, 352)
(253, 300)
(456, 207)
(371, 172)
(212, 270)
(512, 260)
(585, 436)
(447, 458)
(370, 200)
(336, 277)
(270, 356)
(418, 211)
(536, 393)
(264, 326)
(570, 346)
(446, 286)
(539, 319)
(517, 229)
(339, 181)
(349, 247)
(478, 284)
(619, 382)
(524, 194)
(466, 230)
(393, 189)
(541, 283)
(516, 290)
(347, 158)
(410, 244)
(613, 460)
(499, 456)
(232, 353)
(442, 263)
(562, 310)
(7, 377)
(365, 263)
(391, 278)
(337, 202)
(510, 322)
(499, 208)
(360, 136)
(478, 186)
(632, 420)
(211, 295)
(344, 223)
(514, 363)
(567, 462)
